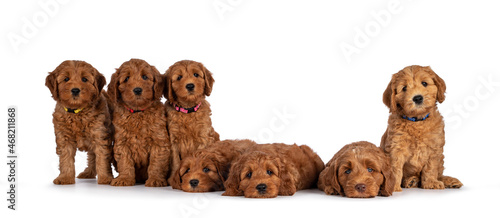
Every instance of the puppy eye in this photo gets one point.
(187, 170)
(179, 78)
(144, 77)
(206, 170)
(196, 75)
(126, 79)
(84, 80)
(424, 84)
(347, 171)
(370, 170)
(249, 175)
(66, 79)
(269, 172)
(404, 89)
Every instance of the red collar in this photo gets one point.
(134, 111)
(187, 110)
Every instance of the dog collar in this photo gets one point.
(415, 119)
(134, 111)
(75, 111)
(187, 110)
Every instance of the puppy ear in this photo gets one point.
(287, 185)
(389, 96)
(100, 80)
(441, 86)
(51, 83)
(168, 91)
(113, 92)
(232, 184)
(176, 180)
(387, 187)
(325, 181)
(158, 84)
(209, 80)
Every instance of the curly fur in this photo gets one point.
(88, 130)
(142, 145)
(416, 148)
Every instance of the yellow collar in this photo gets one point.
(75, 111)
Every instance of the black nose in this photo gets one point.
(138, 91)
(194, 182)
(418, 99)
(190, 87)
(261, 187)
(75, 91)
(360, 187)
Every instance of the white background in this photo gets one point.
(268, 58)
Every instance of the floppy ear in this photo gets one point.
(389, 96)
(286, 173)
(441, 86)
(387, 187)
(51, 83)
(176, 180)
(100, 81)
(209, 80)
(325, 180)
(113, 92)
(168, 91)
(232, 184)
(158, 84)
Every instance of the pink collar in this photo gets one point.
(187, 110)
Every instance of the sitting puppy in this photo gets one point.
(414, 138)
(207, 169)
(269, 170)
(188, 113)
(142, 146)
(358, 170)
(81, 121)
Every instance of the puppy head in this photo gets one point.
(414, 90)
(188, 82)
(136, 84)
(75, 84)
(359, 170)
(200, 173)
(257, 175)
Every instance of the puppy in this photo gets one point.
(142, 145)
(358, 170)
(81, 121)
(188, 113)
(207, 169)
(276, 169)
(414, 138)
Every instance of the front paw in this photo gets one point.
(154, 182)
(450, 182)
(123, 181)
(398, 189)
(432, 184)
(86, 174)
(104, 180)
(64, 180)
(411, 182)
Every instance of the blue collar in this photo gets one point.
(415, 119)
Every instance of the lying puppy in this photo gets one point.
(81, 121)
(189, 123)
(142, 146)
(269, 170)
(414, 138)
(207, 169)
(358, 170)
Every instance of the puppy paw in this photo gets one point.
(86, 174)
(64, 180)
(156, 182)
(398, 189)
(104, 180)
(122, 182)
(450, 182)
(432, 184)
(411, 182)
